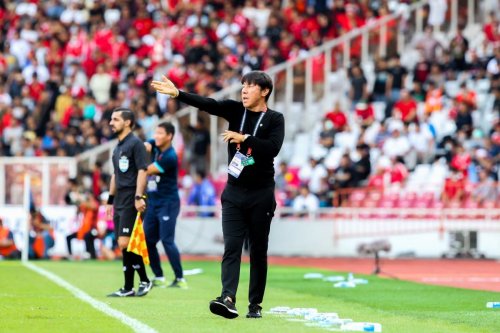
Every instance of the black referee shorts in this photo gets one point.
(124, 213)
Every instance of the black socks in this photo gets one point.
(128, 270)
(138, 265)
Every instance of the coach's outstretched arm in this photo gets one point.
(223, 108)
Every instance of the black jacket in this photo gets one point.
(265, 145)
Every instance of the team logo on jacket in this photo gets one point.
(123, 164)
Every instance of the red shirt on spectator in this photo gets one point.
(405, 108)
(178, 76)
(454, 187)
(399, 173)
(467, 96)
(143, 25)
(364, 111)
(35, 89)
(338, 119)
(461, 162)
(377, 181)
(491, 30)
(5, 121)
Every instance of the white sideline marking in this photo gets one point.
(135, 324)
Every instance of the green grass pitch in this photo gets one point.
(32, 303)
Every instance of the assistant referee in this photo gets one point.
(126, 193)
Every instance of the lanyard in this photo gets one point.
(249, 150)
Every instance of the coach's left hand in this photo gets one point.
(140, 205)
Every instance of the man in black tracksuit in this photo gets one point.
(254, 137)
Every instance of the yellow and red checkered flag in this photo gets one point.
(137, 242)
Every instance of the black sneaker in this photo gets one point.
(223, 307)
(144, 288)
(254, 311)
(122, 293)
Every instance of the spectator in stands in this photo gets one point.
(41, 236)
(493, 66)
(454, 187)
(463, 118)
(365, 114)
(362, 167)
(492, 29)
(405, 109)
(466, 95)
(422, 141)
(8, 247)
(421, 70)
(397, 77)
(486, 189)
(70, 145)
(286, 178)
(327, 134)
(436, 75)
(383, 133)
(11, 134)
(418, 93)
(379, 91)
(458, 48)
(337, 117)
(379, 180)
(461, 159)
(100, 85)
(202, 193)
(397, 144)
(200, 147)
(341, 179)
(313, 175)
(433, 98)
(429, 45)
(305, 202)
(35, 71)
(398, 171)
(359, 86)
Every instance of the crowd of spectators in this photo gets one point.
(443, 112)
(66, 64)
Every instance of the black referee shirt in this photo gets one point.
(129, 157)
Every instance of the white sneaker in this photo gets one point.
(144, 288)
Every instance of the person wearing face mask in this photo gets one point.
(254, 136)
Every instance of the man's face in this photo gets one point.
(252, 94)
(162, 137)
(117, 123)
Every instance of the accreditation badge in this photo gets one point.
(153, 183)
(236, 165)
(123, 164)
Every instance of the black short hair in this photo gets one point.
(260, 78)
(127, 114)
(201, 173)
(168, 127)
